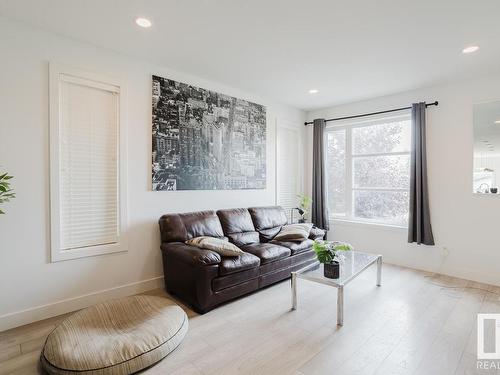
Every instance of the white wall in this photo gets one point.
(31, 287)
(464, 225)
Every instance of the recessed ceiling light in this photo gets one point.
(497, 122)
(313, 91)
(143, 22)
(470, 49)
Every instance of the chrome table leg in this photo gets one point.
(340, 306)
(379, 270)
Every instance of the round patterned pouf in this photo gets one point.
(121, 336)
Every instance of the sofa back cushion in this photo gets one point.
(268, 221)
(238, 226)
(183, 227)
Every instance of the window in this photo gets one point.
(87, 174)
(289, 166)
(369, 170)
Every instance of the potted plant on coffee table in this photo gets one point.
(329, 253)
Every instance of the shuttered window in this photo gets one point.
(85, 167)
(289, 167)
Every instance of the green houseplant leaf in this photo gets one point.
(343, 247)
(6, 192)
(304, 202)
(327, 251)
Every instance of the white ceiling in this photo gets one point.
(348, 49)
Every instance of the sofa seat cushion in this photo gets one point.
(121, 336)
(243, 262)
(295, 247)
(267, 252)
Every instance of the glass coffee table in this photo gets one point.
(354, 263)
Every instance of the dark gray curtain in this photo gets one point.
(419, 226)
(319, 212)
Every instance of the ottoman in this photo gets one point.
(117, 337)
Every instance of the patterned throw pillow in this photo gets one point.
(219, 245)
(294, 232)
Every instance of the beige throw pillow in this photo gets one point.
(219, 245)
(294, 232)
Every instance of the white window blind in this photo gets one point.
(86, 194)
(289, 168)
(88, 169)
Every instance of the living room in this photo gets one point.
(249, 187)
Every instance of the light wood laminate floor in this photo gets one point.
(410, 325)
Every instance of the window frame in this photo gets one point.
(289, 125)
(348, 127)
(57, 74)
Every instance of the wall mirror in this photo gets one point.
(486, 174)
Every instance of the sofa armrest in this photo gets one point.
(189, 272)
(317, 234)
(190, 254)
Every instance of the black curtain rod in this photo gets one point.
(371, 114)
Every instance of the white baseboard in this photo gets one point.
(36, 313)
(460, 273)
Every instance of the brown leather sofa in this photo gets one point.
(204, 279)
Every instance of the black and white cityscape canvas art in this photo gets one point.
(204, 140)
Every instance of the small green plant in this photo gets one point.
(6, 192)
(305, 202)
(328, 251)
